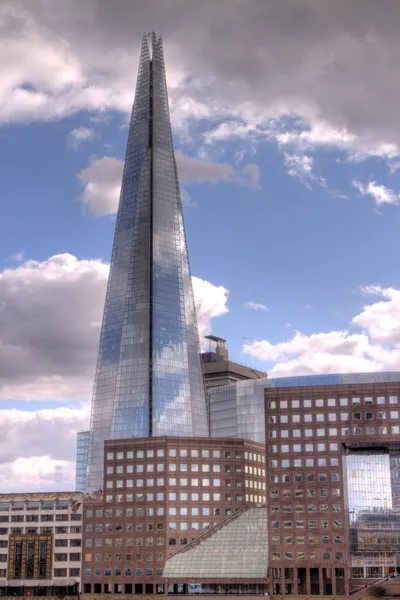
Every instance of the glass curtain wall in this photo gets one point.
(148, 377)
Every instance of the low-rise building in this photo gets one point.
(40, 543)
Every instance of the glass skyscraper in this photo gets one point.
(148, 378)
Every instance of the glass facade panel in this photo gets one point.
(368, 481)
(82, 450)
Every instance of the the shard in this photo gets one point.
(148, 378)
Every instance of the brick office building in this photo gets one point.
(320, 439)
(160, 494)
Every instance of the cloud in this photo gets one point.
(79, 135)
(255, 305)
(331, 68)
(102, 179)
(191, 168)
(50, 318)
(381, 320)
(301, 167)
(380, 193)
(375, 347)
(102, 185)
(50, 315)
(211, 301)
(38, 448)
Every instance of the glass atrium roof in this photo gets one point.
(236, 548)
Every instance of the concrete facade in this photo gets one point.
(40, 543)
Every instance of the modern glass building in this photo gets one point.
(148, 378)
(82, 450)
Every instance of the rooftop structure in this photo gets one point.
(219, 370)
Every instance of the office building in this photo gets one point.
(40, 544)
(148, 379)
(219, 370)
(329, 451)
(159, 495)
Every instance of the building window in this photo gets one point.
(63, 572)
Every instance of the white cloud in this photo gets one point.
(317, 134)
(380, 193)
(50, 317)
(102, 185)
(38, 448)
(381, 320)
(255, 305)
(301, 167)
(102, 179)
(211, 301)
(79, 135)
(376, 347)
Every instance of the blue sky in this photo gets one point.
(288, 154)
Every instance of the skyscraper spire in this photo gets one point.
(148, 378)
